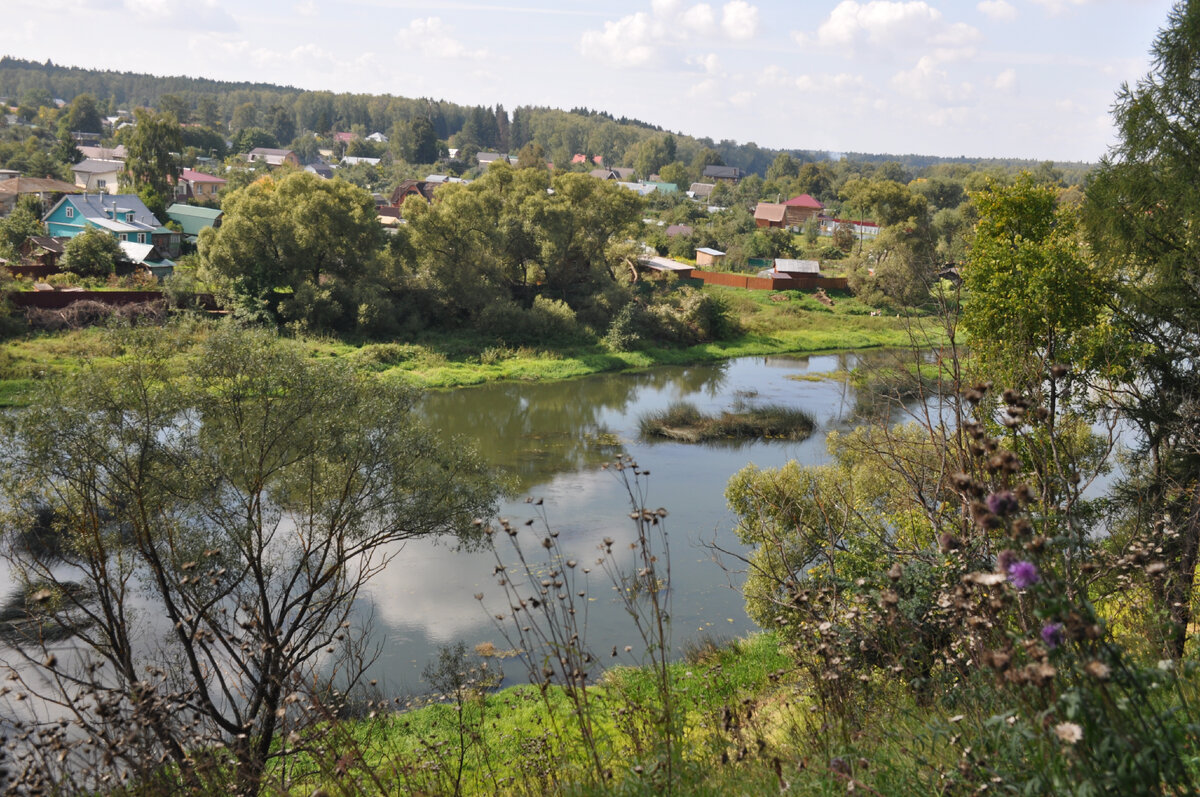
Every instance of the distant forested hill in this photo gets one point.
(286, 112)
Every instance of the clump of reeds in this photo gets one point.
(682, 421)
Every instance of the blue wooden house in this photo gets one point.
(125, 216)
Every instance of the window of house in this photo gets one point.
(124, 237)
(141, 237)
(129, 217)
(101, 183)
(70, 212)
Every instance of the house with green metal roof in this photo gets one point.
(193, 219)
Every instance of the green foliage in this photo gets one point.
(1032, 297)
(1139, 215)
(153, 146)
(248, 138)
(308, 238)
(92, 253)
(16, 227)
(243, 502)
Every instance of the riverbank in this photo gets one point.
(771, 326)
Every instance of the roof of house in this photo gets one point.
(623, 172)
(37, 185)
(769, 211)
(345, 136)
(797, 266)
(96, 166)
(273, 157)
(193, 219)
(56, 245)
(444, 178)
(663, 188)
(708, 251)
(701, 189)
(116, 153)
(193, 176)
(804, 201)
(269, 151)
(679, 229)
(352, 160)
(663, 264)
(641, 189)
(423, 188)
(97, 207)
(723, 172)
(604, 174)
(320, 169)
(488, 157)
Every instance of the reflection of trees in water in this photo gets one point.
(536, 431)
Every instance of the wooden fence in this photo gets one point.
(805, 283)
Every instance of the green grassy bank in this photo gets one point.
(787, 322)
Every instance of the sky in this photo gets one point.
(989, 78)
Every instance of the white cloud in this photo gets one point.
(710, 63)
(189, 14)
(1060, 6)
(739, 20)
(881, 24)
(638, 39)
(997, 10)
(432, 39)
(926, 82)
(307, 9)
(626, 42)
(1006, 81)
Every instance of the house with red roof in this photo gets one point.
(198, 186)
(800, 209)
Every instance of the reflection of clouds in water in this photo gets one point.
(429, 588)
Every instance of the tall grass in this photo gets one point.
(684, 422)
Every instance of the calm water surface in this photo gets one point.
(552, 439)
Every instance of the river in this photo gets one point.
(552, 440)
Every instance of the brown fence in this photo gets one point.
(769, 283)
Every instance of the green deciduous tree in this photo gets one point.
(1141, 214)
(92, 253)
(204, 536)
(16, 227)
(296, 233)
(152, 164)
(82, 116)
(1033, 299)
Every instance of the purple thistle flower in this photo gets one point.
(1023, 574)
(1002, 503)
(1052, 634)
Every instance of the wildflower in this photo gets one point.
(1023, 574)
(1068, 732)
(1097, 669)
(1002, 503)
(1052, 634)
(1005, 559)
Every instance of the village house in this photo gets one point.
(272, 157)
(421, 188)
(198, 186)
(726, 174)
(706, 256)
(799, 209)
(45, 189)
(192, 219)
(770, 214)
(98, 176)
